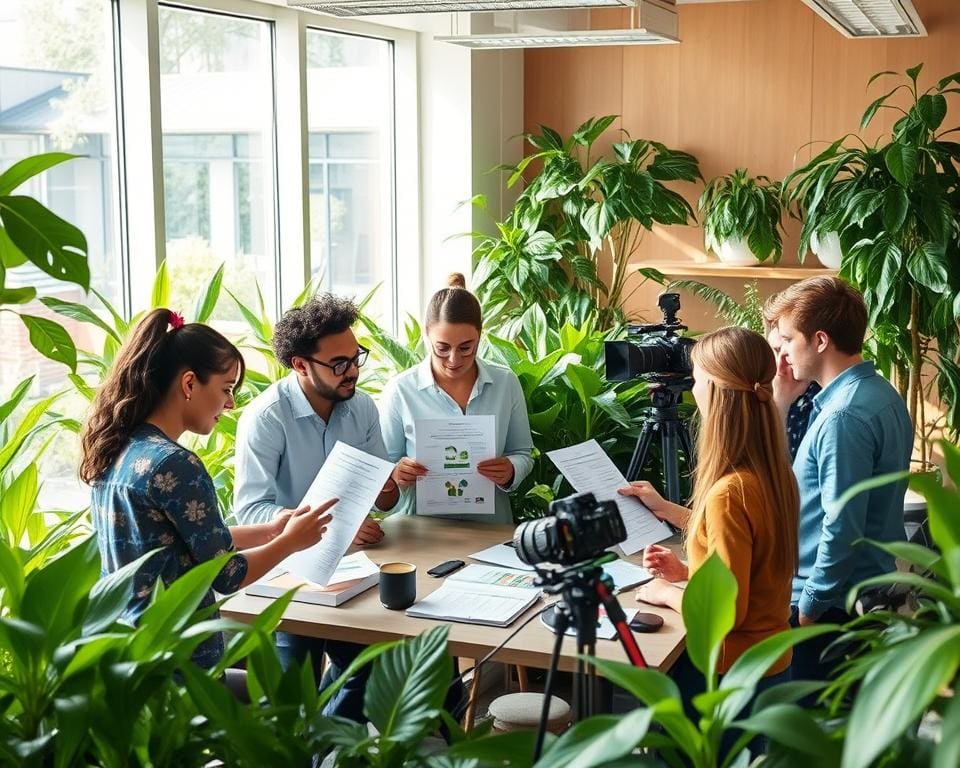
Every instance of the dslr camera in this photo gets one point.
(655, 352)
(579, 529)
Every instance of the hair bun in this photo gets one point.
(456, 280)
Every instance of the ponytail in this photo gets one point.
(159, 350)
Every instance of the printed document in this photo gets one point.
(451, 450)
(474, 603)
(354, 477)
(590, 470)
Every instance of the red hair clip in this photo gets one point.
(176, 320)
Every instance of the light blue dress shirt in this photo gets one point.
(859, 428)
(414, 395)
(282, 443)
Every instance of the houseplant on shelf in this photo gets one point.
(894, 206)
(741, 218)
(578, 219)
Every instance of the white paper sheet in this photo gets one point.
(451, 450)
(354, 477)
(495, 576)
(626, 575)
(501, 554)
(590, 470)
(475, 603)
(605, 628)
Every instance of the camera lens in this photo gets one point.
(534, 540)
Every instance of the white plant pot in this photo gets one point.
(827, 249)
(736, 252)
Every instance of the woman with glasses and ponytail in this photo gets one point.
(149, 492)
(453, 382)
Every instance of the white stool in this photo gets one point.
(521, 712)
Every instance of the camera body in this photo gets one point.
(659, 354)
(580, 528)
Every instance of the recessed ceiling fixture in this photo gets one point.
(871, 18)
(376, 7)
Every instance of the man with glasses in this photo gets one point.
(286, 433)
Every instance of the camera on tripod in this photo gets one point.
(659, 355)
(579, 529)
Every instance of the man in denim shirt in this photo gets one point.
(859, 428)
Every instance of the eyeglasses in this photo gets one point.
(342, 366)
(465, 350)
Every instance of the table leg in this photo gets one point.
(472, 700)
(522, 680)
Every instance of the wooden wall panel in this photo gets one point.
(751, 84)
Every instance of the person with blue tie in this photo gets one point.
(283, 438)
(452, 381)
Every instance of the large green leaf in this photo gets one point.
(597, 741)
(794, 727)
(895, 205)
(111, 595)
(11, 579)
(29, 167)
(947, 754)
(709, 610)
(170, 612)
(16, 504)
(207, 301)
(56, 595)
(408, 685)
(16, 397)
(901, 160)
(932, 108)
(80, 312)
(756, 661)
(160, 292)
(52, 244)
(513, 749)
(585, 381)
(928, 265)
(51, 340)
(17, 295)
(897, 690)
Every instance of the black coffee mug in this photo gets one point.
(398, 585)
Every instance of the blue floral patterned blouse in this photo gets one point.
(798, 418)
(158, 494)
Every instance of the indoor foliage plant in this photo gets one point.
(894, 205)
(579, 218)
(741, 218)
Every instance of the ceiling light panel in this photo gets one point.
(871, 18)
(378, 7)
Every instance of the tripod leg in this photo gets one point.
(619, 620)
(686, 444)
(640, 450)
(560, 627)
(671, 470)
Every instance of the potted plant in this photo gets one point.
(580, 216)
(894, 207)
(741, 218)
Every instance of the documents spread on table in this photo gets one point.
(356, 479)
(501, 554)
(451, 449)
(475, 603)
(590, 470)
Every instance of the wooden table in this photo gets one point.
(426, 542)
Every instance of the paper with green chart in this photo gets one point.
(450, 449)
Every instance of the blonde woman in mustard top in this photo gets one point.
(745, 502)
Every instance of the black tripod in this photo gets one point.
(582, 588)
(664, 418)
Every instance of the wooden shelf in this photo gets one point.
(716, 269)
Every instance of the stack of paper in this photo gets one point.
(502, 554)
(355, 574)
(495, 576)
(475, 603)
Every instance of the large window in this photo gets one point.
(218, 170)
(351, 167)
(56, 94)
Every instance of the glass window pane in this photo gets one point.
(217, 112)
(57, 94)
(351, 166)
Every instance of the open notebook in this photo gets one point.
(355, 573)
(480, 594)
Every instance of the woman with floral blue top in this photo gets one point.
(149, 492)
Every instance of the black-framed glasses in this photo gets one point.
(342, 366)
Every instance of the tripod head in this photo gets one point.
(579, 602)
